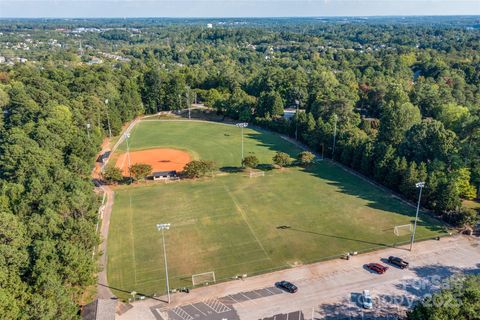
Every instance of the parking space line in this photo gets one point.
(198, 309)
(269, 291)
(182, 313)
(233, 299)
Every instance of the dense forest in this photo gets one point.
(397, 100)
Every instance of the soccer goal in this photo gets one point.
(205, 278)
(403, 230)
(253, 174)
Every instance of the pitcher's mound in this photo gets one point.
(159, 159)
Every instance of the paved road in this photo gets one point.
(327, 290)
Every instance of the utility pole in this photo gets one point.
(242, 125)
(108, 121)
(162, 227)
(418, 185)
(187, 97)
(334, 134)
(297, 102)
(127, 136)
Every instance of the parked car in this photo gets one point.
(399, 262)
(366, 300)
(377, 267)
(287, 286)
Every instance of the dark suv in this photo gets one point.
(399, 262)
(287, 286)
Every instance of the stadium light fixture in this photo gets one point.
(162, 227)
(242, 125)
(419, 185)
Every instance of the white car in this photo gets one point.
(367, 300)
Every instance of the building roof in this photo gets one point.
(100, 309)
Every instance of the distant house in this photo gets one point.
(290, 112)
(209, 25)
(100, 309)
(164, 175)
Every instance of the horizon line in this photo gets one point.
(248, 17)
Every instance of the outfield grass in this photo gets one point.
(208, 141)
(228, 224)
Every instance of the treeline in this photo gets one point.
(401, 116)
(52, 122)
(401, 112)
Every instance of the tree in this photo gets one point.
(198, 168)
(462, 179)
(427, 141)
(112, 175)
(305, 158)
(281, 159)
(250, 162)
(460, 301)
(396, 120)
(269, 104)
(140, 171)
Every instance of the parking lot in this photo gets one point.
(215, 309)
(326, 290)
(297, 315)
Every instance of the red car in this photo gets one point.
(377, 267)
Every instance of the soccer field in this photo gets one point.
(228, 224)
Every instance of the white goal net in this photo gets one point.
(403, 230)
(253, 174)
(205, 278)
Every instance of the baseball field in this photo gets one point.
(231, 224)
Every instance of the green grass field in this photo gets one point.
(228, 224)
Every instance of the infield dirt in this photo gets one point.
(160, 159)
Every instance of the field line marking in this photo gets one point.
(133, 241)
(242, 213)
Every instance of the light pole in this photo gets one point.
(297, 102)
(187, 97)
(127, 136)
(162, 227)
(108, 121)
(242, 125)
(418, 185)
(334, 134)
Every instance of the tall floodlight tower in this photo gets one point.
(242, 125)
(127, 137)
(297, 102)
(335, 118)
(162, 227)
(419, 185)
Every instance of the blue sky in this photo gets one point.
(234, 8)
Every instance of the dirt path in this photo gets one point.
(105, 211)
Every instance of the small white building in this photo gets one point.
(164, 175)
(209, 25)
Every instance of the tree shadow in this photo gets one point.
(377, 198)
(381, 244)
(352, 310)
(432, 278)
(350, 184)
(129, 292)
